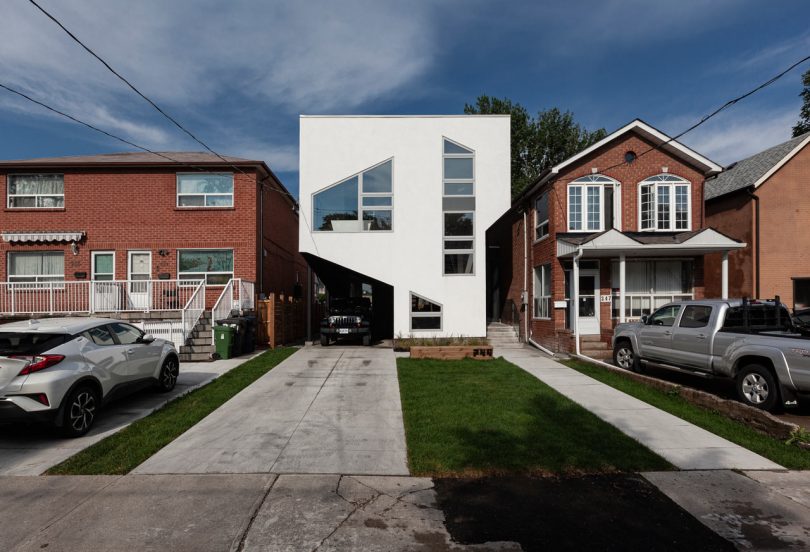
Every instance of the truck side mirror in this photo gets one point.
(644, 318)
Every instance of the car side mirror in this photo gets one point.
(147, 338)
(644, 318)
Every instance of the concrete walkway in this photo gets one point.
(327, 410)
(31, 450)
(685, 445)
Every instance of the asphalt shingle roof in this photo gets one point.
(746, 172)
(138, 158)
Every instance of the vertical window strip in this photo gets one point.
(682, 207)
(575, 208)
(594, 207)
(663, 207)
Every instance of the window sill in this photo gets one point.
(538, 240)
(34, 209)
(205, 208)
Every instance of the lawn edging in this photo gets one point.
(762, 421)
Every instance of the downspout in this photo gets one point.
(575, 299)
(261, 239)
(755, 197)
(524, 297)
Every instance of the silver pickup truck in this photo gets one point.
(753, 342)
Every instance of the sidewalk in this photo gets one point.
(685, 445)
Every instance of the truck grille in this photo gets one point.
(344, 321)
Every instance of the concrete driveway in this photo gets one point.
(326, 410)
(30, 450)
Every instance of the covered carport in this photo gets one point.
(344, 282)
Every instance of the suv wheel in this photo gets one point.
(625, 357)
(757, 387)
(324, 340)
(366, 340)
(168, 374)
(81, 407)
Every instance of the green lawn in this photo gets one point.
(120, 453)
(474, 417)
(788, 455)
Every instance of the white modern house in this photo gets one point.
(397, 207)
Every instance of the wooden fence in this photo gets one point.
(282, 320)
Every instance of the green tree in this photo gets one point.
(537, 142)
(804, 115)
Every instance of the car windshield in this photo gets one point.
(29, 343)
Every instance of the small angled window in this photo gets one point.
(425, 314)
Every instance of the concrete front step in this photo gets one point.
(194, 357)
(590, 338)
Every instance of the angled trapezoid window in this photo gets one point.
(360, 203)
(458, 171)
(425, 314)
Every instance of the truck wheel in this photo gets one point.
(624, 357)
(324, 340)
(366, 340)
(757, 387)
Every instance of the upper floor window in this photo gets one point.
(459, 242)
(361, 203)
(665, 203)
(590, 203)
(541, 217)
(458, 170)
(36, 191)
(205, 190)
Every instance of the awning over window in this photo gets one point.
(42, 237)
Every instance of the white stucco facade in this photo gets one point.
(410, 256)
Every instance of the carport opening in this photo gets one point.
(342, 282)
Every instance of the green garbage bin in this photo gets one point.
(223, 340)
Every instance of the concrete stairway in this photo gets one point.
(503, 336)
(593, 346)
(198, 347)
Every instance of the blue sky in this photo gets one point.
(239, 73)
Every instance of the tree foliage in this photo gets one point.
(540, 142)
(804, 115)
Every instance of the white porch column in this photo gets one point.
(621, 288)
(575, 301)
(724, 275)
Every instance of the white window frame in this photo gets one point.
(204, 195)
(445, 180)
(40, 281)
(204, 275)
(439, 315)
(672, 182)
(9, 195)
(360, 195)
(538, 224)
(446, 251)
(540, 299)
(93, 256)
(589, 181)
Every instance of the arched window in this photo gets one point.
(590, 203)
(665, 203)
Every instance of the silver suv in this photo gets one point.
(62, 370)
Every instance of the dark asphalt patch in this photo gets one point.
(601, 512)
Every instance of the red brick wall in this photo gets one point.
(136, 210)
(283, 264)
(733, 215)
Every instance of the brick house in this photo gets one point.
(606, 236)
(138, 236)
(763, 200)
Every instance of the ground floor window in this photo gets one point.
(801, 293)
(215, 266)
(542, 291)
(650, 284)
(36, 266)
(425, 314)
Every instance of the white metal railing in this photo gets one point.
(95, 296)
(170, 330)
(193, 309)
(237, 295)
(638, 304)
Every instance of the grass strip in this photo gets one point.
(787, 455)
(122, 452)
(473, 417)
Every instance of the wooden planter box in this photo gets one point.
(453, 352)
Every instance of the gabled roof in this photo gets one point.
(753, 171)
(658, 138)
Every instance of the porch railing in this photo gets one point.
(95, 296)
(193, 309)
(237, 295)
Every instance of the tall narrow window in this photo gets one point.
(458, 208)
(425, 314)
(459, 251)
(458, 169)
(665, 203)
(361, 203)
(36, 191)
(541, 217)
(590, 203)
(542, 291)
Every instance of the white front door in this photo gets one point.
(139, 274)
(106, 293)
(588, 302)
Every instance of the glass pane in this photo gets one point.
(378, 179)
(218, 279)
(458, 224)
(191, 201)
(420, 304)
(458, 263)
(594, 207)
(461, 244)
(665, 316)
(541, 209)
(36, 263)
(681, 207)
(457, 188)
(338, 203)
(23, 202)
(101, 336)
(103, 263)
(458, 168)
(50, 202)
(696, 316)
(450, 147)
(801, 293)
(126, 334)
(205, 183)
(586, 285)
(210, 260)
(426, 322)
(587, 306)
(663, 207)
(219, 201)
(44, 184)
(575, 208)
(371, 201)
(647, 207)
(546, 289)
(377, 220)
